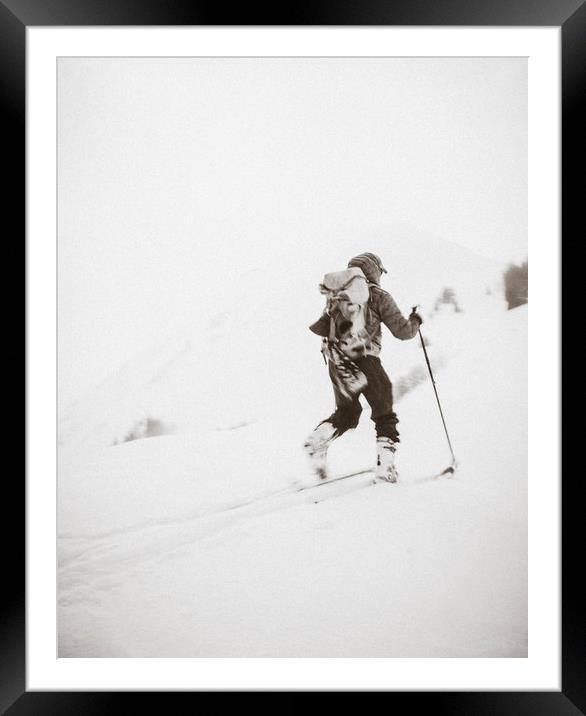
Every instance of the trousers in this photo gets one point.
(379, 396)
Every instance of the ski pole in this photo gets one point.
(439, 405)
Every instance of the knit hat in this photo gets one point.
(371, 265)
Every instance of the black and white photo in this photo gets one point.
(210, 210)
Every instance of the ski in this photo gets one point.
(337, 478)
(447, 472)
(318, 492)
(321, 484)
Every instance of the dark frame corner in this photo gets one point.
(16, 15)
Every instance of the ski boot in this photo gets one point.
(385, 460)
(316, 447)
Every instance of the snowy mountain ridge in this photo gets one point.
(232, 366)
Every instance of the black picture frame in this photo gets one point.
(15, 17)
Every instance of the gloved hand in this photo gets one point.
(414, 316)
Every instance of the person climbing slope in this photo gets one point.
(375, 385)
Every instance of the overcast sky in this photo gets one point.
(175, 175)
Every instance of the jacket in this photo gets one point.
(381, 308)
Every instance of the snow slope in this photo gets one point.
(195, 544)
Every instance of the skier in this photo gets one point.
(378, 392)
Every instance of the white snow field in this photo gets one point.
(195, 544)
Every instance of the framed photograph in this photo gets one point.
(291, 425)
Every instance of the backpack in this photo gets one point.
(347, 292)
(345, 289)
